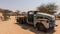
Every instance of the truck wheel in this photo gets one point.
(21, 22)
(52, 28)
(41, 27)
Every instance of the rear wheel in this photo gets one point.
(20, 21)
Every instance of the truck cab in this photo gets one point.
(37, 18)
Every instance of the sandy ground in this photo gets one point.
(10, 27)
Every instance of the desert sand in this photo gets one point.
(11, 27)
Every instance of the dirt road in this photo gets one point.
(10, 27)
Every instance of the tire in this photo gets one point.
(52, 28)
(41, 27)
(22, 21)
(19, 21)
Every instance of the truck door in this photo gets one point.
(30, 17)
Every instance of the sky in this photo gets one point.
(25, 5)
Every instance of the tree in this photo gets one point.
(17, 12)
(49, 8)
(6, 14)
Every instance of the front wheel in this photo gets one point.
(41, 27)
(52, 28)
